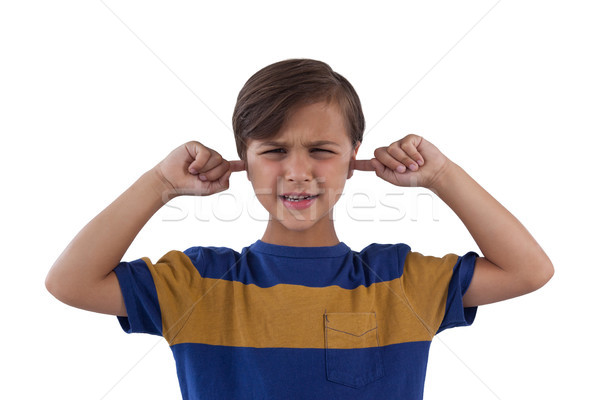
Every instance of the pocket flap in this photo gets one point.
(355, 324)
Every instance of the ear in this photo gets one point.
(352, 159)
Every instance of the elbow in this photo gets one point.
(57, 287)
(49, 283)
(60, 293)
(53, 280)
(53, 287)
(540, 275)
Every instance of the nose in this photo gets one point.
(298, 168)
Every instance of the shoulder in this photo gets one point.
(384, 261)
(385, 250)
(213, 261)
(395, 253)
(209, 252)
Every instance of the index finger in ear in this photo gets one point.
(363, 165)
(237, 165)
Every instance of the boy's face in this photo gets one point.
(311, 155)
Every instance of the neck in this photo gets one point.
(299, 241)
(318, 235)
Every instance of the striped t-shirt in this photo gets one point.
(282, 322)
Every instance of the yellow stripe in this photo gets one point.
(221, 312)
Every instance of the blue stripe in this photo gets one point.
(141, 299)
(260, 264)
(267, 373)
(455, 314)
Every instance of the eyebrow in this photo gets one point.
(317, 143)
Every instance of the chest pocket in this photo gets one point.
(352, 352)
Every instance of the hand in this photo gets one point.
(411, 161)
(194, 169)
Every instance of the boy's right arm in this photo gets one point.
(83, 276)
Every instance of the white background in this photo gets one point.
(93, 94)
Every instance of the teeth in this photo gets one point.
(297, 198)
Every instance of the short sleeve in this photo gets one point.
(434, 287)
(455, 314)
(140, 297)
(158, 296)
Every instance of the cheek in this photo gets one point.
(263, 177)
(332, 181)
(336, 173)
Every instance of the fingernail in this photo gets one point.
(193, 171)
(413, 167)
(202, 177)
(420, 162)
(401, 168)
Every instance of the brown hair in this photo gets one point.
(270, 95)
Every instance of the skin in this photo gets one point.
(294, 163)
(513, 263)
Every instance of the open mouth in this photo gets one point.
(296, 199)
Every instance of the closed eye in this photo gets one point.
(283, 150)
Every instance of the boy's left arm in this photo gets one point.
(513, 263)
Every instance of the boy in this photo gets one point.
(298, 314)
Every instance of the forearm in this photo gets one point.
(503, 240)
(100, 245)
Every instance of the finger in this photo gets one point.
(384, 157)
(387, 174)
(237, 165)
(399, 154)
(225, 168)
(199, 155)
(379, 167)
(409, 145)
(203, 166)
(224, 180)
(363, 165)
(216, 173)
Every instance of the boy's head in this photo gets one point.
(298, 126)
(270, 96)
